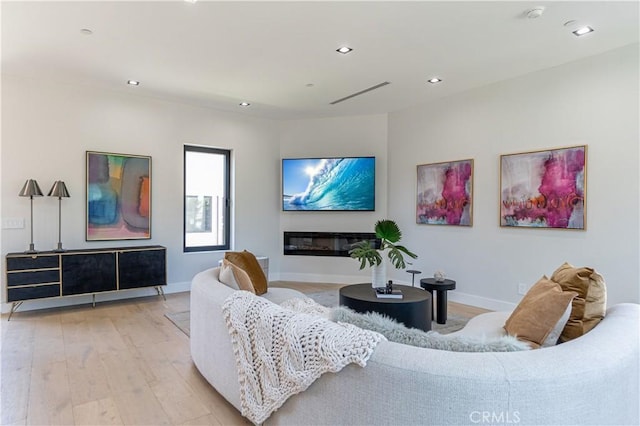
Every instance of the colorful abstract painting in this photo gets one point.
(445, 193)
(118, 196)
(544, 189)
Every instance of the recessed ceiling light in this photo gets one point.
(244, 104)
(583, 30)
(435, 80)
(191, 1)
(86, 31)
(535, 13)
(309, 85)
(344, 50)
(133, 83)
(578, 28)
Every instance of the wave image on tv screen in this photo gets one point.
(328, 183)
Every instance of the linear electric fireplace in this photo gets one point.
(324, 243)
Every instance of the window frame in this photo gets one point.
(226, 211)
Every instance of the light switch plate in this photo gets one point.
(13, 223)
(522, 288)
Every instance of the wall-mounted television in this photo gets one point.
(333, 183)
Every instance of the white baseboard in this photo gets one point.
(480, 301)
(32, 305)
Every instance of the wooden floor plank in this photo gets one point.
(87, 375)
(15, 384)
(104, 336)
(49, 396)
(208, 420)
(178, 401)
(123, 372)
(140, 407)
(98, 412)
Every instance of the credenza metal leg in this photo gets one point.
(161, 293)
(14, 307)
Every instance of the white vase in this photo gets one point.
(379, 275)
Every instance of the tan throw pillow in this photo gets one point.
(235, 277)
(589, 306)
(247, 262)
(538, 312)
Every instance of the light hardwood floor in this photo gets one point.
(121, 362)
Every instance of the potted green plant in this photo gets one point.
(389, 234)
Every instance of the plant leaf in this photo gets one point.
(365, 253)
(388, 230)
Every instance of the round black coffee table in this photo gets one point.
(441, 288)
(413, 310)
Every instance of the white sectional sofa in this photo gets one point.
(590, 380)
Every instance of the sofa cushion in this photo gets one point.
(246, 261)
(539, 312)
(588, 307)
(234, 277)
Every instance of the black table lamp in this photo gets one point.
(31, 189)
(59, 189)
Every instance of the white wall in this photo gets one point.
(333, 137)
(592, 101)
(47, 128)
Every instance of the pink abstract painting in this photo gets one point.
(544, 189)
(445, 193)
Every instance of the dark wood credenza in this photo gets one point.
(49, 274)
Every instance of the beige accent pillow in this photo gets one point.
(235, 277)
(589, 306)
(247, 262)
(538, 312)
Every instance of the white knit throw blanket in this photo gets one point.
(280, 352)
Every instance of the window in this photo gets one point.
(207, 215)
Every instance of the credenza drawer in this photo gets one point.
(20, 263)
(35, 292)
(33, 277)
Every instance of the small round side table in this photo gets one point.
(413, 273)
(441, 288)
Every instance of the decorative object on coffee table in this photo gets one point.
(389, 234)
(59, 189)
(31, 189)
(439, 276)
(388, 292)
(441, 288)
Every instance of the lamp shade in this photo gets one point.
(59, 189)
(30, 189)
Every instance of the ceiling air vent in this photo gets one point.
(377, 86)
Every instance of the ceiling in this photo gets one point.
(281, 56)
